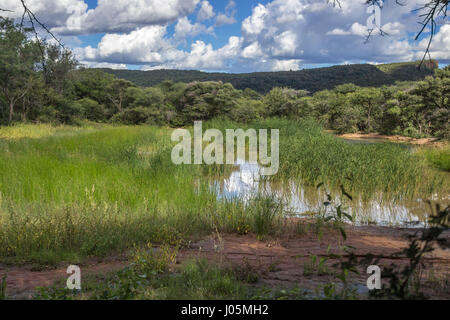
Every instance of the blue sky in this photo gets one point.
(243, 10)
(236, 36)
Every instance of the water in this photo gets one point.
(245, 182)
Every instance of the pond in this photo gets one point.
(301, 201)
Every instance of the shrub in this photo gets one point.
(92, 110)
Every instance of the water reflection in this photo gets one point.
(246, 181)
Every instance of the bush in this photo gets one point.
(92, 110)
(133, 116)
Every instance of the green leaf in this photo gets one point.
(344, 235)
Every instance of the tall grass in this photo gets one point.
(309, 156)
(73, 192)
(439, 158)
(93, 192)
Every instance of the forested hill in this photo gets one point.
(312, 80)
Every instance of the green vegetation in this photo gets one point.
(440, 158)
(50, 88)
(86, 170)
(312, 80)
(70, 192)
(193, 280)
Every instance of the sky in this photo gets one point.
(235, 35)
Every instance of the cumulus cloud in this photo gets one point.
(223, 19)
(312, 31)
(53, 13)
(203, 56)
(126, 15)
(285, 65)
(150, 47)
(254, 24)
(440, 47)
(278, 35)
(144, 45)
(228, 17)
(184, 28)
(206, 11)
(90, 64)
(356, 29)
(252, 51)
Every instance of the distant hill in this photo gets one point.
(312, 80)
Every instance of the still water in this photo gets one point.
(245, 182)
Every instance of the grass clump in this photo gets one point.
(266, 214)
(145, 280)
(440, 158)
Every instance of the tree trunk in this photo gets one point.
(11, 111)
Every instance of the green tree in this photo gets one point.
(92, 110)
(370, 101)
(57, 67)
(18, 58)
(116, 92)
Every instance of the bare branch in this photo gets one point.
(433, 10)
(335, 3)
(33, 20)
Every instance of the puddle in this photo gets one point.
(245, 182)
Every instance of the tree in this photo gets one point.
(32, 103)
(434, 95)
(57, 65)
(206, 100)
(93, 84)
(283, 101)
(91, 109)
(370, 101)
(116, 92)
(18, 58)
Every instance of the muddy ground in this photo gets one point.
(279, 262)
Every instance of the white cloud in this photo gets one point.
(126, 15)
(252, 51)
(149, 46)
(203, 56)
(285, 44)
(223, 19)
(286, 65)
(145, 45)
(279, 35)
(206, 11)
(440, 47)
(393, 28)
(255, 23)
(311, 31)
(116, 66)
(229, 16)
(184, 28)
(53, 13)
(356, 29)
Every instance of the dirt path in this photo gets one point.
(278, 262)
(22, 281)
(282, 262)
